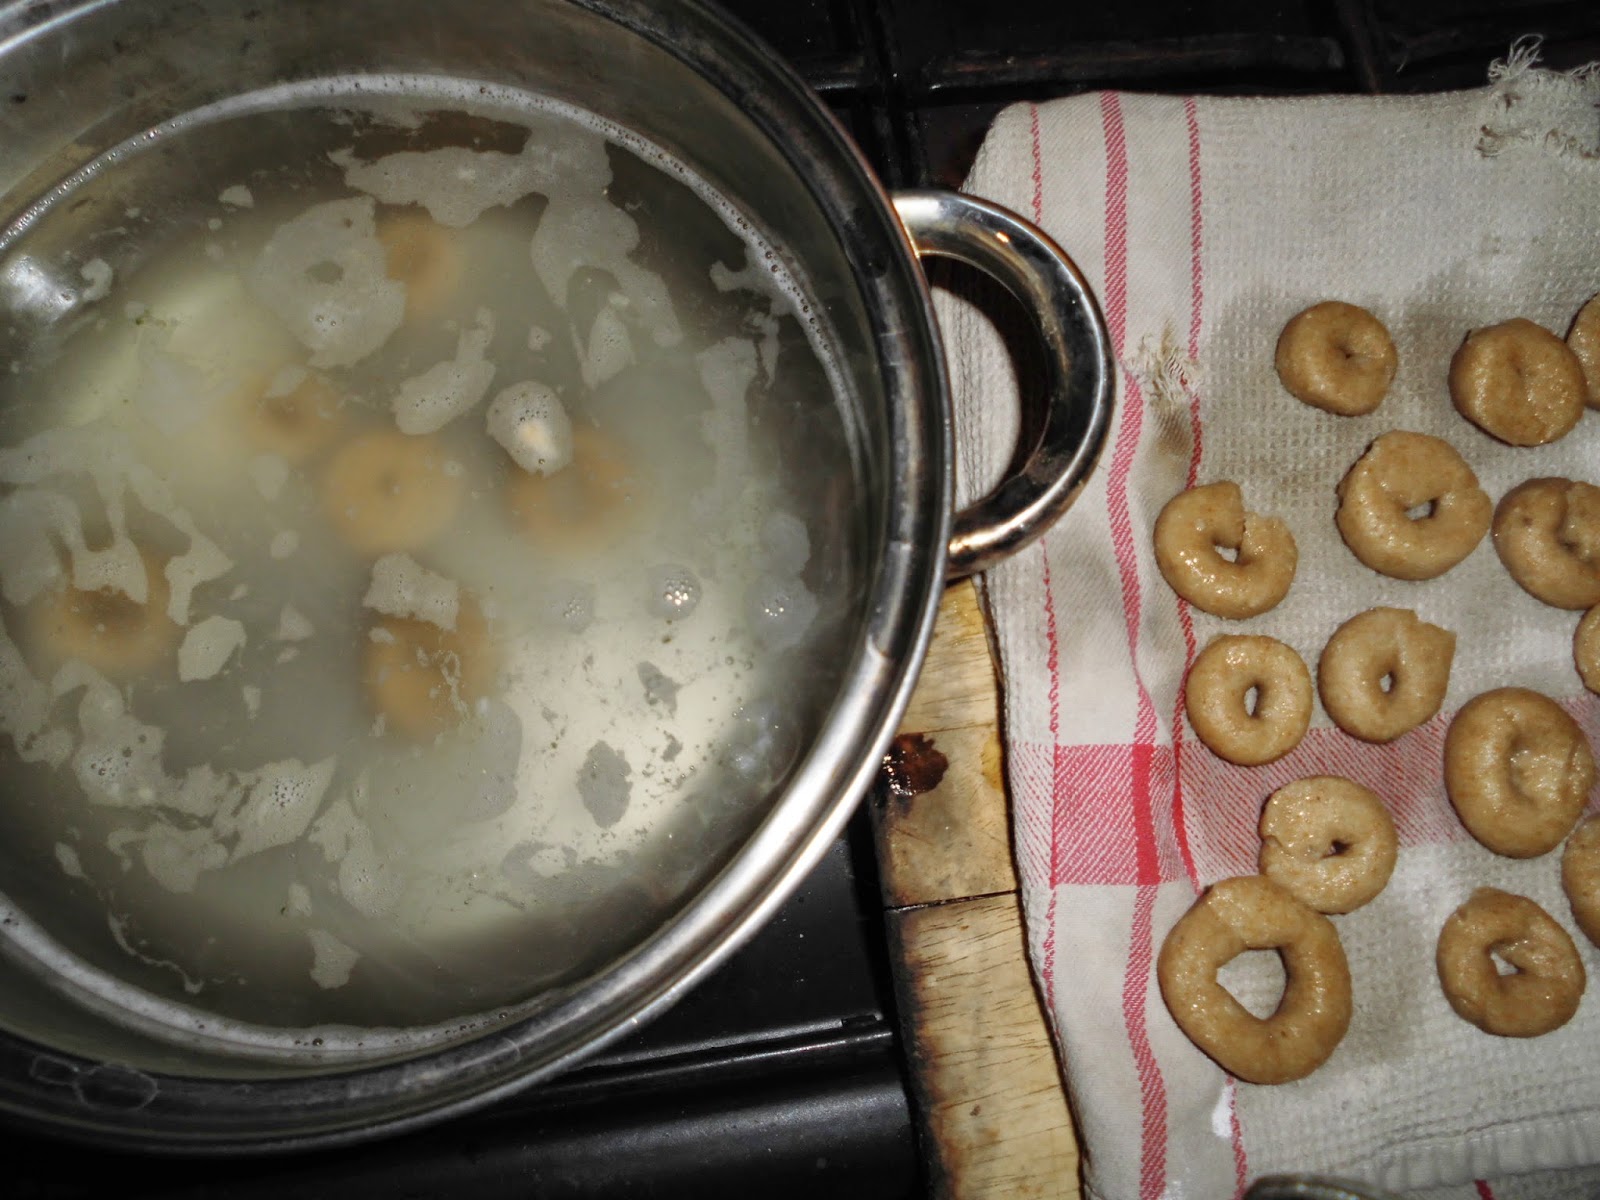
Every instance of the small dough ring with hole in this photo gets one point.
(107, 629)
(1401, 471)
(1379, 644)
(1518, 771)
(1328, 842)
(1542, 994)
(1518, 382)
(298, 424)
(1583, 339)
(1580, 877)
(388, 491)
(583, 506)
(1253, 913)
(1547, 533)
(1336, 357)
(425, 256)
(1190, 529)
(425, 680)
(1217, 691)
(1586, 649)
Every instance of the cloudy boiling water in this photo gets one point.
(420, 532)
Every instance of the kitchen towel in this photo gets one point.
(1203, 224)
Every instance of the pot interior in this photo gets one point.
(459, 505)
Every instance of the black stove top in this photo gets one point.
(783, 1073)
(918, 81)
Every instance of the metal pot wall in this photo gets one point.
(81, 77)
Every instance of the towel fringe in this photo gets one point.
(1558, 110)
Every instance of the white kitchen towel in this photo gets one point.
(1203, 225)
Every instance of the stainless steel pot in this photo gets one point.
(84, 75)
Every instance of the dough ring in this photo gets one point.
(423, 255)
(1586, 649)
(1189, 531)
(585, 504)
(1518, 382)
(1547, 533)
(297, 425)
(1518, 771)
(1253, 913)
(423, 680)
(1583, 339)
(1336, 357)
(1399, 473)
(1217, 698)
(387, 491)
(1384, 672)
(1542, 994)
(106, 628)
(1328, 842)
(1580, 877)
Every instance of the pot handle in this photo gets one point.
(1078, 367)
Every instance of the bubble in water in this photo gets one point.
(674, 591)
(570, 606)
(778, 611)
(528, 421)
(758, 747)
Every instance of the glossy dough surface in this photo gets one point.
(1580, 877)
(1518, 771)
(1402, 471)
(1382, 645)
(1253, 913)
(1217, 698)
(1586, 649)
(1543, 991)
(1518, 382)
(1336, 357)
(1583, 339)
(1547, 533)
(1192, 526)
(1329, 842)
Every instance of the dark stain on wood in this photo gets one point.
(912, 766)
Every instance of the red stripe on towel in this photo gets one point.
(1136, 981)
(1047, 970)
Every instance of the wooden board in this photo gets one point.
(993, 1112)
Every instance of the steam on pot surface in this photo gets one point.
(420, 559)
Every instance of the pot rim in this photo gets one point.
(121, 1106)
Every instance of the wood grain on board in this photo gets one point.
(992, 1108)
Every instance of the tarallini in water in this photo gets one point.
(411, 583)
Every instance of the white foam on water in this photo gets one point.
(269, 472)
(426, 403)
(284, 543)
(278, 809)
(332, 960)
(208, 646)
(97, 273)
(403, 587)
(609, 349)
(325, 275)
(293, 625)
(530, 424)
(68, 859)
